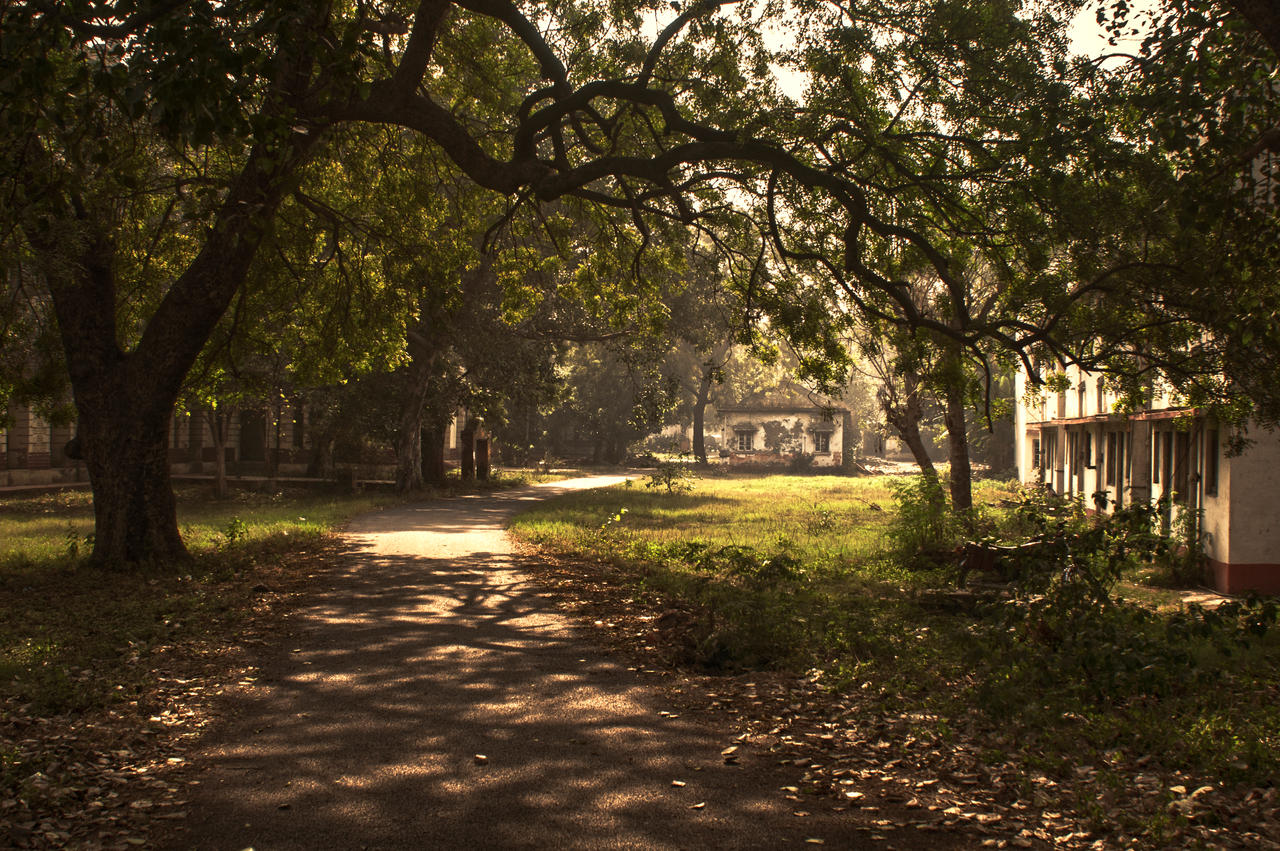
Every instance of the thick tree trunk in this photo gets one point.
(320, 464)
(700, 412)
(1264, 16)
(958, 449)
(409, 457)
(425, 346)
(433, 455)
(911, 436)
(124, 399)
(957, 433)
(409, 433)
(220, 426)
(126, 451)
(482, 459)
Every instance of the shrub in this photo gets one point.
(77, 543)
(801, 462)
(1139, 533)
(674, 476)
(752, 601)
(923, 522)
(822, 520)
(614, 519)
(1062, 630)
(1183, 557)
(1034, 511)
(236, 530)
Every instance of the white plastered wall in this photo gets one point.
(1217, 511)
(1253, 482)
(797, 437)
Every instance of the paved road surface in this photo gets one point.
(429, 647)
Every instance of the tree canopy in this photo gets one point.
(171, 167)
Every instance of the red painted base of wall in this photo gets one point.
(1238, 578)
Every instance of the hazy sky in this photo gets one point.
(1087, 38)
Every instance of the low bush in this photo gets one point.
(753, 602)
(671, 476)
(923, 523)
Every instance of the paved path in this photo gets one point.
(429, 647)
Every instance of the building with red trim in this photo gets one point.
(1074, 442)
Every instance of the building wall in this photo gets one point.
(1253, 551)
(32, 452)
(780, 436)
(1159, 452)
(256, 437)
(1217, 512)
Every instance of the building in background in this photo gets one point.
(33, 452)
(266, 441)
(786, 434)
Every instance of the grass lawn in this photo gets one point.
(1123, 707)
(803, 574)
(794, 513)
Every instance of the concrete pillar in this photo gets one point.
(37, 442)
(58, 438)
(196, 427)
(467, 450)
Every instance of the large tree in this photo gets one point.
(707, 319)
(148, 147)
(1089, 213)
(135, 134)
(1194, 80)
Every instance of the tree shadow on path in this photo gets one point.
(437, 700)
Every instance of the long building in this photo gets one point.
(259, 441)
(1074, 442)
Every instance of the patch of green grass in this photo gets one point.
(802, 573)
(783, 566)
(828, 522)
(250, 517)
(42, 527)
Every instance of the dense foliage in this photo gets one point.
(954, 189)
(1071, 658)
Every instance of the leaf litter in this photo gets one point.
(117, 777)
(906, 771)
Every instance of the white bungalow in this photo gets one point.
(781, 434)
